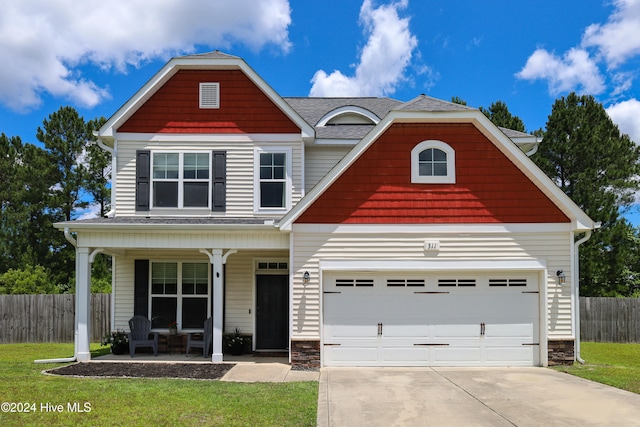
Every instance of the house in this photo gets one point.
(345, 231)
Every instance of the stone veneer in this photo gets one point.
(305, 354)
(561, 352)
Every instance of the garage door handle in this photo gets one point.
(379, 329)
(482, 328)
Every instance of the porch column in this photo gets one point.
(83, 304)
(218, 296)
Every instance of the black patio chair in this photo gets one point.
(205, 342)
(141, 335)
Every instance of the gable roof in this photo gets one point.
(212, 60)
(442, 112)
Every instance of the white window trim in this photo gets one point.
(450, 178)
(181, 180)
(179, 296)
(256, 179)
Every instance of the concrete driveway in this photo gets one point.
(469, 396)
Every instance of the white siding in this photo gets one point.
(239, 286)
(123, 290)
(240, 172)
(310, 248)
(319, 160)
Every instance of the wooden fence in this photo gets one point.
(49, 318)
(610, 319)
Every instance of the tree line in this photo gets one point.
(44, 184)
(582, 151)
(598, 167)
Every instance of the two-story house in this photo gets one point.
(345, 231)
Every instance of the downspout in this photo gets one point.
(74, 242)
(111, 151)
(576, 290)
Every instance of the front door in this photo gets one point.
(272, 312)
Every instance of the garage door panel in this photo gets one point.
(405, 330)
(350, 329)
(509, 330)
(522, 354)
(453, 355)
(405, 355)
(352, 355)
(468, 330)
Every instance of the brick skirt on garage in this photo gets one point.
(561, 352)
(305, 354)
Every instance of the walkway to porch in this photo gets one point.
(249, 368)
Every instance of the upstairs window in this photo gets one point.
(273, 172)
(181, 180)
(433, 162)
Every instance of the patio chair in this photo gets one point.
(205, 342)
(141, 335)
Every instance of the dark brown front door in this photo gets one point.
(272, 312)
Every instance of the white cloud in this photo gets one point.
(626, 115)
(574, 71)
(383, 59)
(619, 38)
(44, 41)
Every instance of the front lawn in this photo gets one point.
(617, 365)
(53, 400)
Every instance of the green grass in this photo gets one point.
(617, 365)
(144, 402)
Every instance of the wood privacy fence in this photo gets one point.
(50, 318)
(610, 319)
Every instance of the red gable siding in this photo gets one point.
(377, 188)
(244, 108)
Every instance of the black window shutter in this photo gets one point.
(143, 179)
(219, 184)
(141, 288)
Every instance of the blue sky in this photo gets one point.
(93, 55)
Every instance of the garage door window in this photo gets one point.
(405, 282)
(457, 282)
(354, 282)
(507, 282)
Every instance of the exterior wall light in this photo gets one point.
(306, 277)
(561, 277)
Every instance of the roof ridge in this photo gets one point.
(211, 54)
(422, 98)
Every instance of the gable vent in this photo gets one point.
(209, 95)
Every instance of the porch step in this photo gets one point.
(271, 354)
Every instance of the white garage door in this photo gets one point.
(431, 320)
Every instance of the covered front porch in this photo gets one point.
(183, 275)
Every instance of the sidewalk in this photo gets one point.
(267, 372)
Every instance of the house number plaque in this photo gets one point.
(432, 245)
